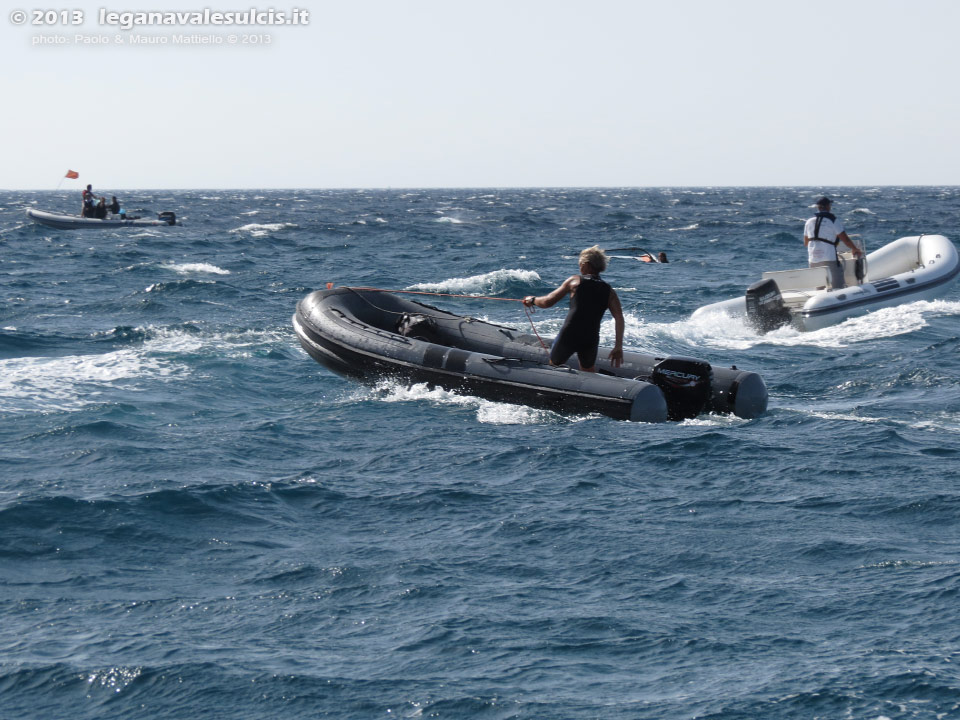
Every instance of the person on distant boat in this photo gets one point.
(660, 257)
(821, 235)
(100, 211)
(115, 205)
(89, 202)
(590, 298)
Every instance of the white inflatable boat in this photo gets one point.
(920, 267)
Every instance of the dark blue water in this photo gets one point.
(198, 521)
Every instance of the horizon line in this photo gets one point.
(818, 188)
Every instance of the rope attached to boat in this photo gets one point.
(439, 294)
(529, 313)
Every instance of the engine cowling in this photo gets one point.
(686, 384)
(765, 308)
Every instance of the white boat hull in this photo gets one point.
(920, 267)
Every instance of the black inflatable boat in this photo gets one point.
(372, 334)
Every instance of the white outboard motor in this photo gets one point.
(765, 308)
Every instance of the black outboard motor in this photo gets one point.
(765, 308)
(860, 269)
(686, 385)
(170, 218)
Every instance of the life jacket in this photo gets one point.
(816, 232)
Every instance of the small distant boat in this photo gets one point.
(919, 267)
(372, 334)
(63, 221)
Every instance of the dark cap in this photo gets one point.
(824, 201)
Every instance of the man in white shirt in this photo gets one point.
(822, 234)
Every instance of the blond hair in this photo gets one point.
(596, 257)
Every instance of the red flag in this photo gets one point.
(72, 174)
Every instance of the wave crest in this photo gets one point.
(72, 382)
(186, 268)
(490, 283)
(264, 229)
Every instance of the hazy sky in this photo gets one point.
(441, 93)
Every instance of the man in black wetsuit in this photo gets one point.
(590, 298)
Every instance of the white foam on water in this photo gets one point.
(484, 284)
(487, 411)
(33, 384)
(713, 421)
(718, 330)
(823, 415)
(451, 220)
(263, 229)
(187, 268)
(840, 410)
(883, 323)
(154, 286)
(935, 425)
(72, 382)
(721, 330)
(944, 422)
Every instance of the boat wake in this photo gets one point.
(724, 331)
(487, 411)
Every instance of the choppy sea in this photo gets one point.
(198, 521)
